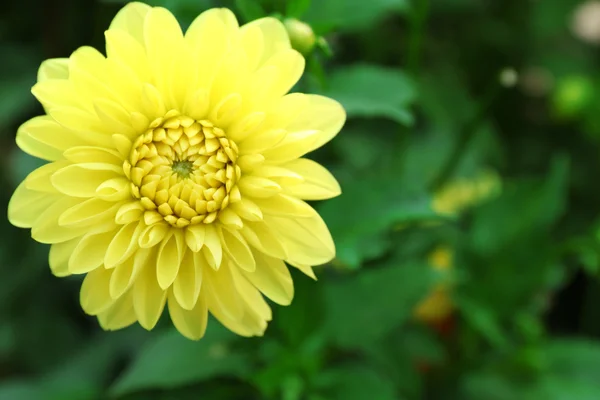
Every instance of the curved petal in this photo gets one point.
(94, 295)
(43, 137)
(318, 184)
(274, 35)
(148, 298)
(187, 285)
(169, 257)
(53, 68)
(272, 278)
(306, 240)
(89, 253)
(59, 257)
(118, 316)
(190, 323)
(25, 205)
(237, 249)
(131, 20)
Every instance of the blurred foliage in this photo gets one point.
(436, 154)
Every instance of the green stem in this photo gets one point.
(466, 135)
(420, 12)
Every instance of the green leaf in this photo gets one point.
(365, 306)
(577, 359)
(296, 8)
(361, 218)
(483, 320)
(539, 204)
(170, 360)
(250, 9)
(371, 91)
(350, 15)
(80, 377)
(354, 382)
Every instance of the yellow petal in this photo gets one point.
(289, 66)
(76, 181)
(237, 249)
(56, 93)
(125, 273)
(148, 298)
(253, 42)
(285, 206)
(89, 212)
(272, 278)
(293, 146)
(247, 209)
(263, 238)
(83, 124)
(94, 296)
(252, 297)
(258, 187)
(46, 228)
(246, 126)
(306, 240)
(45, 138)
(212, 249)
(186, 286)
(131, 20)
(115, 189)
(211, 34)
(93, 154)
(26, 205)
(230, 218)
(153, 235)
(319, 183)
(53, 68)
(305, 269)
(123, 48)
(89, 253)
(118, 316)
(39, 179)
(190, 323)
(123, 244)
(129, 212)
(194, 236)
(274, 34)
(261, 141)
(221, 295)
(59, 257)
(170, 254)
(164, 45)
(323, 114)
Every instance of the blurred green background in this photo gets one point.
(468, 233)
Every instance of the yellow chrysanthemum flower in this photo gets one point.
(175, 173)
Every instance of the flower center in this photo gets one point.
(183, 171)
(182, 168)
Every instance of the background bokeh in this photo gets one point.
(468, 232)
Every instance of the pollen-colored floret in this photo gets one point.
(175, 173)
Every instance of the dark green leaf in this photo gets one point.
(170, 360)
(364, 307)
(296, 8)
(350, 15)
(372, 91)
(358, 383)
(361, 218)
(249, 9)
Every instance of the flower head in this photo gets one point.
(175, 174)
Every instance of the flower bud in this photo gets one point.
(301, 35)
